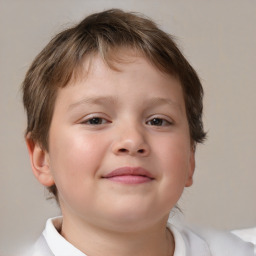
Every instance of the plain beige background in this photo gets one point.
(219, 39)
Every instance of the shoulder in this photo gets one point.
(212, 242)
(225, 243)
(248, 234)
(40, 248)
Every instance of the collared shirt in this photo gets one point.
(187, 243)
(248, 235)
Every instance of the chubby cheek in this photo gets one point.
(175, 161)
(74, 161)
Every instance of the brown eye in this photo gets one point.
(95, 121)
(158, 122)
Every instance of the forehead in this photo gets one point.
(124, 73)
(116, 59)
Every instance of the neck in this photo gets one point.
(92, 240)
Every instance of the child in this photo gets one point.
(114, 115)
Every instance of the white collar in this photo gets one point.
(56, 242)
(186, 242)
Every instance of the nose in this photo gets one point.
(131, 141)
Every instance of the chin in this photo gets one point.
(133, 219)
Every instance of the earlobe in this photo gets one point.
(192, 164)
(39, 160)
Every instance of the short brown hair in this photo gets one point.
(103, 33)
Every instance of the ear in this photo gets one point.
(39, 160)
(192, 164)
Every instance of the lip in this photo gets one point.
(129, 175)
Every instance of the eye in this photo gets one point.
(158, 122)
(95, 121)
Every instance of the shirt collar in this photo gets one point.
(186, 242)
(56, 242)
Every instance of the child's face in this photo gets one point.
(133, 119)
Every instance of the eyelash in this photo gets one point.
(163, 122)
(96, 121)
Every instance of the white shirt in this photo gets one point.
(187, 243)
(248, 235)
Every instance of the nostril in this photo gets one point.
(129, 151)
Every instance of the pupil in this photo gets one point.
(157, 121)
(95, 121)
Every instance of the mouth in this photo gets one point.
(129, 175)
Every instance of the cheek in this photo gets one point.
(75, 150)
(74, 163)
(174, 177)
(175, 163)
(175, 151)
(73, 159)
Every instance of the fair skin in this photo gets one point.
(133, 119)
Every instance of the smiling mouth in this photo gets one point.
(129, 175)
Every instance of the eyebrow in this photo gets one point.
(110, 100)
(162, 101)
(99, 100)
